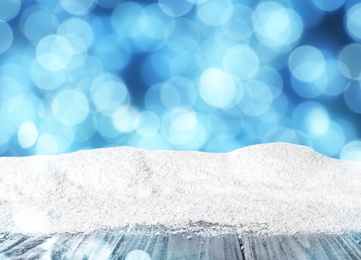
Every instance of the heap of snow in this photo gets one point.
(267, 189)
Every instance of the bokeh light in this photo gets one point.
(137, 254)
(108, 3)
(125, 19)
(124, 118)
(277, 26)
(77, 7)
(175, 9)
(27, 135)
(153, 22)
(9, 9)
(43, 20)
(255, 98)
(351, 151)
(241, 61)
(6, 36)
(217, 87)
(182, 35)
(213, 12)
(348, 61)
(108, 93)
(352, 96)
(353, 22)
(307, 63)
(54, 52)
(70, 107)
(328, 6)
(78, 27)
(45, 79)
(239, 26)
(202, 75)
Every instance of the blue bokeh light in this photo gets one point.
(9, 9)
(187, 75)
(307, 63)
(176, 9)
(42, 19)
(6, 36)
(353, 22)
(182, 35)
(328, 6)
(241, 61)
(213, 12)
(239, 26)
(348, 61)
(77, 7)
(78, 27)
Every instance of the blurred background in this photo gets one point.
(207, 75)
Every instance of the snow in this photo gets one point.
(267, 189)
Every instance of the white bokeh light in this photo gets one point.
(217, 88)
(137, 255)
(124, 118)
(27, 134)
(182, 119)
(184, 129)
(47, 144)
(277, 26)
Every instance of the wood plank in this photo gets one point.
(347, 246)
(117, 245)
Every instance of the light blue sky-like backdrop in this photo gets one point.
(205, 75)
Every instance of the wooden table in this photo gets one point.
(129, 245)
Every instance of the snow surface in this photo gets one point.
(267, 189)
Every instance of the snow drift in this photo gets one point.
(269, 189)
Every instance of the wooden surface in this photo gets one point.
(343, 247)
(122, 245)
(118, 246)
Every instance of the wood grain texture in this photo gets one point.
(100, 245)
(117, 245)
(347, 246)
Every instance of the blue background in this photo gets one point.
(184, 75)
